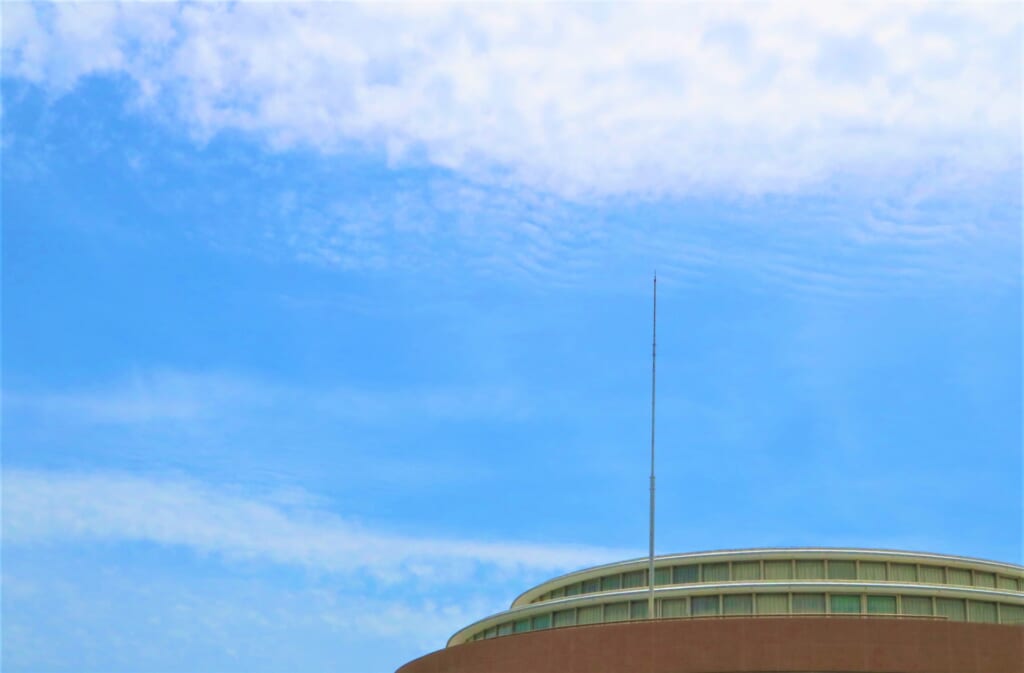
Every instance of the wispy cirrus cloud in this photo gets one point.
(580, 101)
(69, 507)
(181, 396)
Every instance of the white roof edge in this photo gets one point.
(532, 592)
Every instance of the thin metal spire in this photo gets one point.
(654, 351)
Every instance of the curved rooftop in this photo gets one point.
(775, 582)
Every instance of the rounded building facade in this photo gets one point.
(760, 610)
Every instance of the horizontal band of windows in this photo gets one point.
(794, 569)
(754, 604)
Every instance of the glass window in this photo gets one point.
(881, 605)
(637, 578)
(903, 572)
(591, 586)
(772, 604)
(491, 632)
(951, 608)
(662, 576)
(984, 579)
(542, 622)
(1011, 614)
(872, 570)
(565, 618)
(616, 612)
(845, 603)
(704, 605)
(916, 605)
(505, 629)
(958, 576)
(1007, 583)
(932, 575)
(982, 611)
(842, 570)
(521, 625)
(808, 604)
(685, 574)
(638, 610)
(589, 615)
(558, 593)
(746, 570)
(611, 582)
(673, 607)
(810, 570)
(778, 570)
(715, 572)
(573, 589)
(738, 604)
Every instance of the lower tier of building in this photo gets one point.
(793, 644)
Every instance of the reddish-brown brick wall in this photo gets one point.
(744, 645)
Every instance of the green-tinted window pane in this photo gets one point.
(1011, 614)
(958, 576)
(872, 570)
(740, 604)
(505, 629)
(637, 578)
(903, 572)
(521, 625)
(932, 575)
(746, 570)
(685, 574)
(882, 605)
(715, 572)
(589, 615)
(778, 570)
(673, 607)
(916, 605)
(565, 618)
(616, 612)
(573, 589)
(663, 576)
(704, 605)
(1008, 583)
(951, 608)
(842, 570)
(491, 632)
(810, 570)
(591, 586)
(845, 603)
(772, 604)
(982, 611)
(542, 622)
(984, 579)
(558, 593)
(808, 604)
(638, 610)
(611, 583)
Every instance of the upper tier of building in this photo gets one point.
(769, 582)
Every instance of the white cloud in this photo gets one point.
(41, 506)
(583, 101)
(167, 395)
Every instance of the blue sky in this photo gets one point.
(326, 328)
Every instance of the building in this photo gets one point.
(758, 610)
